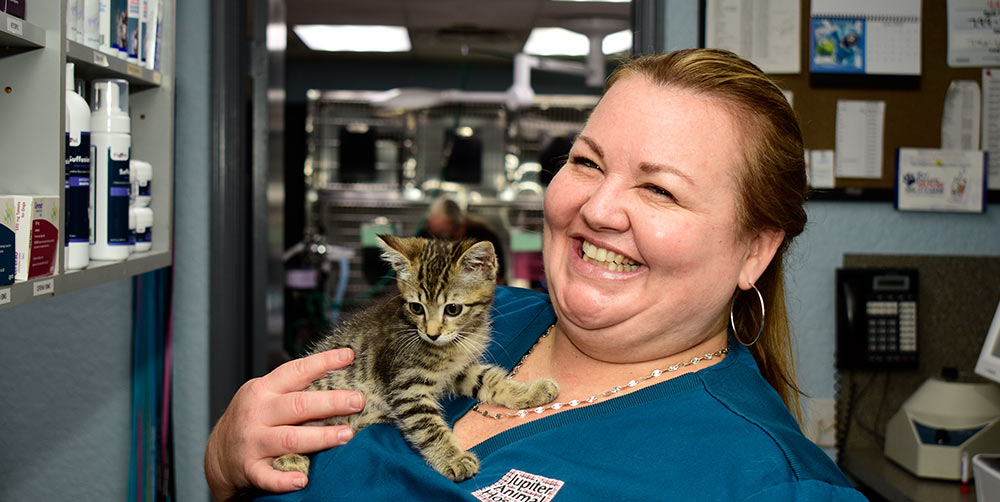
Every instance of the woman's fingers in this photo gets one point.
(304, 406)
(297, 374)
(265, 477)
(278, 441)
(259, 425)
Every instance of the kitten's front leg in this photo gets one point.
(490, 384)
(420, 422)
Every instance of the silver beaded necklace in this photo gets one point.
(596, 397)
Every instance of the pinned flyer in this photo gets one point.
(941, 180)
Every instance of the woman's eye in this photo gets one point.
(584, 161)
(659, 191)
(453, 309)
(415, 308)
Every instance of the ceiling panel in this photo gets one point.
(509, 14)
(440, 28)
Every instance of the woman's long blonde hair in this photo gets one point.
(772, 184)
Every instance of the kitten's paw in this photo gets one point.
(461, 467)
(541, 391)
(519, 395)
(535, 393)
(292, 462)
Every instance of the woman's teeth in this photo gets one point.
(608, 259)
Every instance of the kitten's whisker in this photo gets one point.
(467, 345)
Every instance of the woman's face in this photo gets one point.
(650, 183)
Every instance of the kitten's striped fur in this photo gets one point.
(415, 348)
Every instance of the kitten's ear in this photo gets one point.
(480, 258)
(399, 252)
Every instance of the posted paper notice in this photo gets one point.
(940, 180)
(858, 147)
(991, 124)
(763, 31)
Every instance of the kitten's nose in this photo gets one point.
(433, 337)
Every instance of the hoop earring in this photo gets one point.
(732, 321)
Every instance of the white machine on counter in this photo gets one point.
(943, 420)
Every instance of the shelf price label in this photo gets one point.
(100, 59)
(14, 26)
(46, 287)
(135, 71)
(4, 296)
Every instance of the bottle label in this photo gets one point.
(119, 188)
(6, 256)
(132, 27)
(140, 188)
(78, 169)
(144, 235)
(44, 244)
(91, 212)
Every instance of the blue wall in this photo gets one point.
(836, 228)
(66, 391)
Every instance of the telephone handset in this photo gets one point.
(877, 318)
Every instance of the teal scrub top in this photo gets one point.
(721, 433)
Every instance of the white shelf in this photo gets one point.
(32, 137)
(20, 293)
(92, 63)
(18, 35)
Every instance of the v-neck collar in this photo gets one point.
(507, 355)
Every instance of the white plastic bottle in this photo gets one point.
(142, 179)
(91, 23)
(143, 229)
(72, 27)
(131, 228)
(104, 31)
(110, 125)
(78, 177)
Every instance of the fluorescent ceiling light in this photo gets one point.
(353, 38)
(556, 42)
(563, 42)
(277, 34)
(620, 41)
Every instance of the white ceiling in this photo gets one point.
(439, 28)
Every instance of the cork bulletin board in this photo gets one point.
(914, 105)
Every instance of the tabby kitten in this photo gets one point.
(424, 344)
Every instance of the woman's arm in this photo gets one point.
(262, 420)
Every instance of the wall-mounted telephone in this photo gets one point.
(876, 318)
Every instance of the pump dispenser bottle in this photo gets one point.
(110, 126)
(78, 176)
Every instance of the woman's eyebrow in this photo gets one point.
(592, 144)
(653, 168)
(646, 167)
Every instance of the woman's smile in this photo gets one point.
(605, 258)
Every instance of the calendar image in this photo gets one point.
(838, 45)
(870, 37)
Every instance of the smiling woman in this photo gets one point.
(669, 206)
(729, 175)
(684, 189)
(771, 179)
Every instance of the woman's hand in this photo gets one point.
(261, 423)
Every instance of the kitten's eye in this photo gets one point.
(453, 309)
(415, 308)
